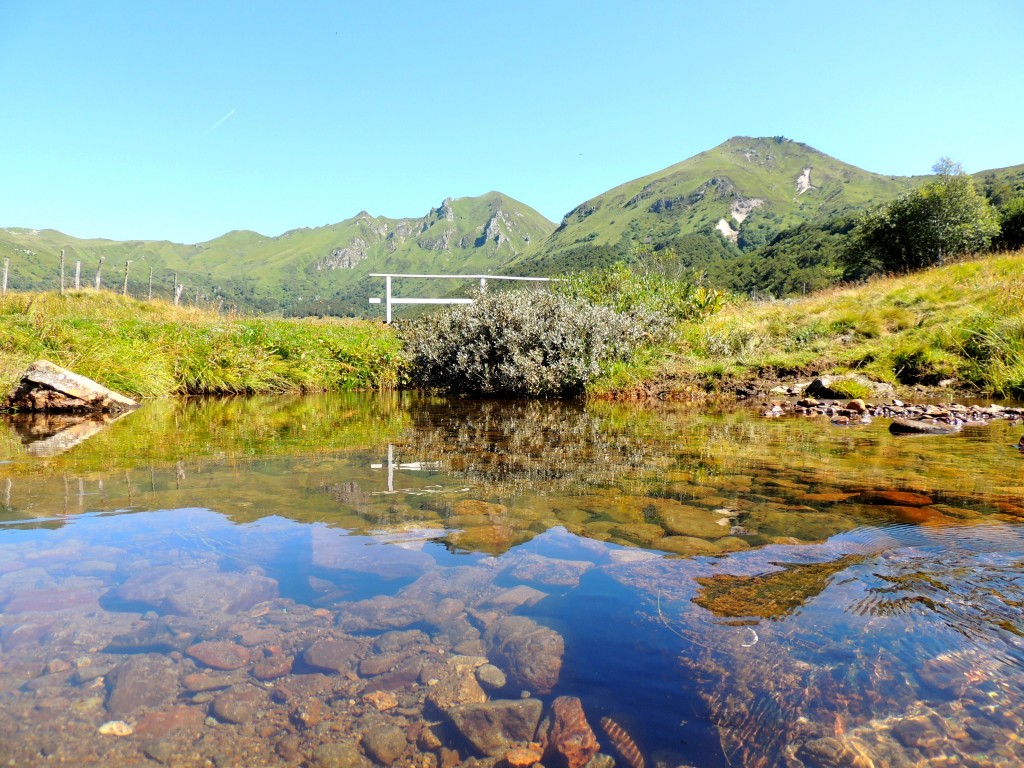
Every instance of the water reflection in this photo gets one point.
(351, 578)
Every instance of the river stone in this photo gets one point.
(911, 427)
(493, 727)
(566, 736)
(195, 592)
(894, 498)
(332, 655)
(682, 520)
(384, 743)
(343, 754)
(490, 677)
(157, 725)
(143, 682)
(237, 705)
(531, 654)
(48, 387)
(219, 655)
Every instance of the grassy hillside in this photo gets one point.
(321, 270)
(962, 324)
(741, 194)
(154, 349)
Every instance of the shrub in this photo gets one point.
(519, 343)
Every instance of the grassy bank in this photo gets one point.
(961, 323)
(154, 349)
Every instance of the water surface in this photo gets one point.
(265, 580)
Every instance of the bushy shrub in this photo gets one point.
(519, 342)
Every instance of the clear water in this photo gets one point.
(730, 590)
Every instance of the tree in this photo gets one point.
(943, 219)
(1011, 222)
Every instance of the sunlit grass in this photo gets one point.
(154, 349)
(963, 321)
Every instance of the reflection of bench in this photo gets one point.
(390, 299)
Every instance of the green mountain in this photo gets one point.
(320, 270)
(731, 199)
(754, 215)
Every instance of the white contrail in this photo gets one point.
(229, 114)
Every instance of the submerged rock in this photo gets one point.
(494, 727)
(48, 387)
(145, 681)
(530, 653)
(195, 592)
(566, 736)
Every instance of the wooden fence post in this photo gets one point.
(99, 270)
(124, 290)
(150, 283)
(78, 275)
(61, 271)
(7, 266)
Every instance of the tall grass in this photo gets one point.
(961, 322)
(155, 349)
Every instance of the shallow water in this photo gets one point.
(320, 580)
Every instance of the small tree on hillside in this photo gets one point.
(1011, 221)
(943, 219)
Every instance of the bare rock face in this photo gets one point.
(48, 387)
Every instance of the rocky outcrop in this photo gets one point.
(48, 387)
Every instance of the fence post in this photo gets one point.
(150, 283)
(61, 271)
(124, 290)
(99, 270)
(387, 288)
(78, 275)
(7, 266)
(177, 290)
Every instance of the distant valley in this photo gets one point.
(754, 215)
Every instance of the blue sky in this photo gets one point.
(182, 120)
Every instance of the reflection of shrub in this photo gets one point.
(519, 343)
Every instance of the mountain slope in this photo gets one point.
(320, 270)
(743, 192)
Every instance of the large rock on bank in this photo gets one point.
(48, 387)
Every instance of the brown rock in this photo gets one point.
(203, 681)
(565, 734)
(48, 387)
(273, 668)
(521, 757)
(332, 655)
(157, 725)
(494, 727)
(146, 681)
(384, 743)
(382, 701)
(531, 654)
(219, 655)
(911, 427)
(237, 705)
(894, 498)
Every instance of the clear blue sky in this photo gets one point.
(183, 119)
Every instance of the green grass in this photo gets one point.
(154, 349)
(962, 322)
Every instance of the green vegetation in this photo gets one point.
(945, 218)
(153, 349)
(521, 342)
(308, 271)
(960, 323)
